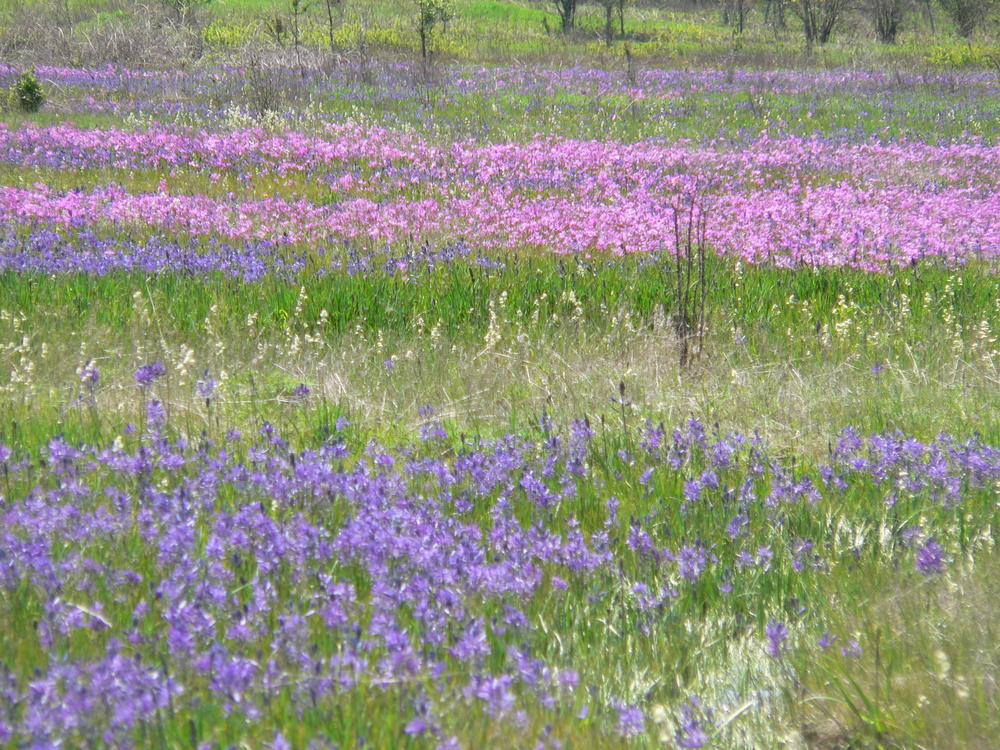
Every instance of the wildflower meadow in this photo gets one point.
(542, 391)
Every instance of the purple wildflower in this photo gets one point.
(764, 557)
(631, 720)
(691, 562)
(146, 374)
(496, 692)
(156, 414)
(777, 638)
(852, 650)
(929, 557)
(416, 726)
(205, 386)
(90, 375)
(690, 732)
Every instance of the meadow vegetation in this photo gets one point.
(532, 389)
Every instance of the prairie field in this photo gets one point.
(504, 385)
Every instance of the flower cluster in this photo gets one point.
(254, 573)
(782, 202)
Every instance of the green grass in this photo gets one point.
(796, 354)
(791, 352)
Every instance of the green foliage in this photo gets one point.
(963, 55)
(431, 14)
(507, 12)
(27, 92)
(967, 15)
(230, 33)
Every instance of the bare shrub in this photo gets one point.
(262, 89)
(886, 17)
(819, 18)
(967, 15)
(270, 81)
(567, 13)
(135, 35)
(690, 275)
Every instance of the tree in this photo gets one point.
(819, 18)
(567, 13)
(774, 12)
(185, 9)
(609, 13)
(298, 8)
(430, 13)
(331, 29)
(887, 18)
(610, 6)
(734, 12)
(966, 14)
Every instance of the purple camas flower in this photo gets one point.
(146, 374)
(441, 584)
(631, 720)
(90, 375)
(852, 650)
(496, 692)
(416, 726)
(930, 559)
(690, 732)
(777, 638)
(738, 526)
(156, 415)
(432, 430)
(205, 386)
(302, 391)
(691, 562)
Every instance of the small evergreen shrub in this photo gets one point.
(28, 92)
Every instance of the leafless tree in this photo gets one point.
(567, 13)
(774, 13)
(331, 28)
(819, 17)
(967, 15)
(185, 10)
(734, 12)
(298, 10)
(609, 15)
(886, 17)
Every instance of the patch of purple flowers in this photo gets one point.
(146, 374)
(930, 557)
